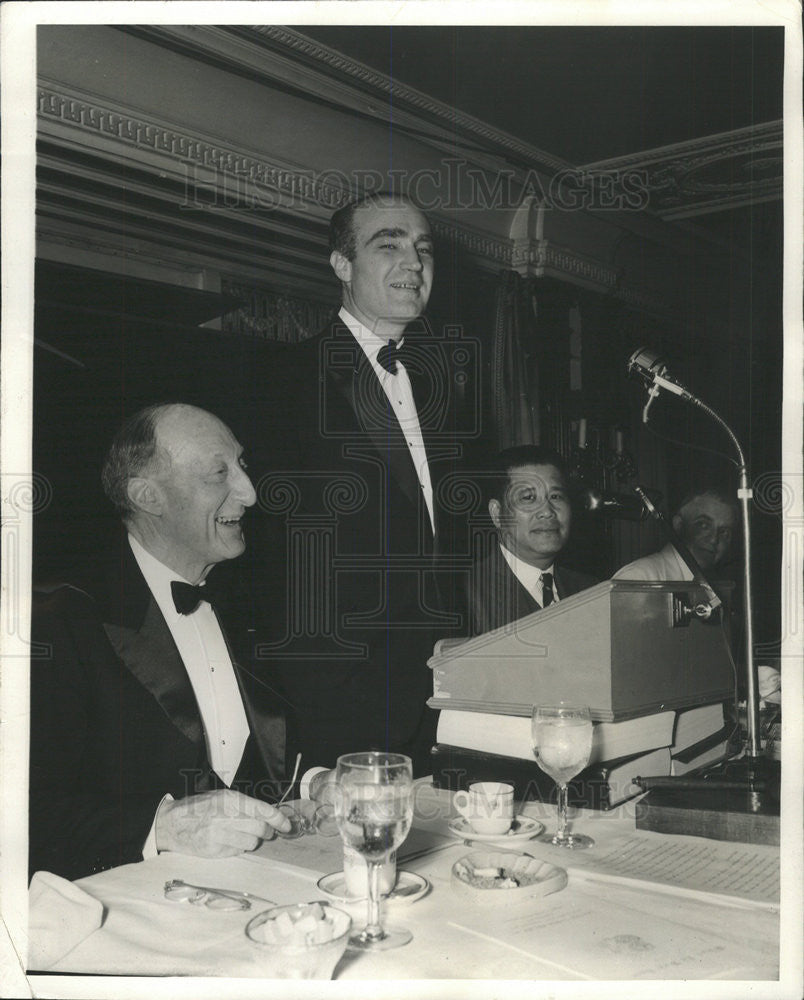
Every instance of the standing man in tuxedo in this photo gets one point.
(367, 435)
(529, 505)
(150, 730)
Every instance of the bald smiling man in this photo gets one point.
(150, 728)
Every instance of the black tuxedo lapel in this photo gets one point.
(151, 655)
(141, 638)
(374, 415)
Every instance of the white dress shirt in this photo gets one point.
(203, 651)
(530, 576)
(400, 395)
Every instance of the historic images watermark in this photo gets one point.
(454, 185)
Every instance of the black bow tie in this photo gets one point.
(390, 354)
(187, 597)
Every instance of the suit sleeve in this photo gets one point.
(76, 826)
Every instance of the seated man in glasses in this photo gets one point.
(529, 505)
(705, 521)
(150, 729)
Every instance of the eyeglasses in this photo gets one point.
(178, 891)
(321, 821)
(527, 499)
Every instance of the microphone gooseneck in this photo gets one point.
(646, 365)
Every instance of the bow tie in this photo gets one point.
(187, 597)
(389, 355)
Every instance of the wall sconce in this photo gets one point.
(600, 458)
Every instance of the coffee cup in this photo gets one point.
(488, 806)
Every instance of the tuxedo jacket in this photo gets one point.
(497, 597)
(115, 724)
(360, 561)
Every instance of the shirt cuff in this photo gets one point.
(149, 849)
(307, 777)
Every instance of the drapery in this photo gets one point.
(515, 402)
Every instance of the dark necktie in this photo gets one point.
(547, 589)
(390, 354)
(187, 597)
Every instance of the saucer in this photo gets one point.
(409, 887)
(523, 828)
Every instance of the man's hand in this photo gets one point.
(216, 824)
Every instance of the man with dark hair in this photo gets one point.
(365, 430)
(705, 521)
(529, 505)
(149, 730)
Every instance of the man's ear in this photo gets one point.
(494, 513)
(341, 266)
(677, 524)
(144, 495)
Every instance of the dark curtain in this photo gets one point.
(515, 402)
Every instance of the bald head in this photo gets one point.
(181, 478)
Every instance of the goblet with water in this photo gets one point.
(374, 809)
(562, 742)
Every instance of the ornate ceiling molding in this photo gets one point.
(118, 136)
(710, 174)
(92, 117)
(543, 258)
(241, 179)
(408, 98)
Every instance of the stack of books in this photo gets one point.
(700, 738)
(480, 746)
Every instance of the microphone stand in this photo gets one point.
(744, 495)
(648, 366)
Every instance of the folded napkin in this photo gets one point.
(60, 916)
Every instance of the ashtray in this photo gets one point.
(505, 877)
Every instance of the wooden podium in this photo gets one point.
(624, 648)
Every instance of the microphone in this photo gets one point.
(620, 505)
(646, 365)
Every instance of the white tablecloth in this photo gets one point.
(592, 930)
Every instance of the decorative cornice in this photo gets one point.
(296, 189)
(716, 172)
(294, 184)
(478, 244)
(541, 258)
(149, 134)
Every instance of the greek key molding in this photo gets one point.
(147, 134)
(296, 185)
